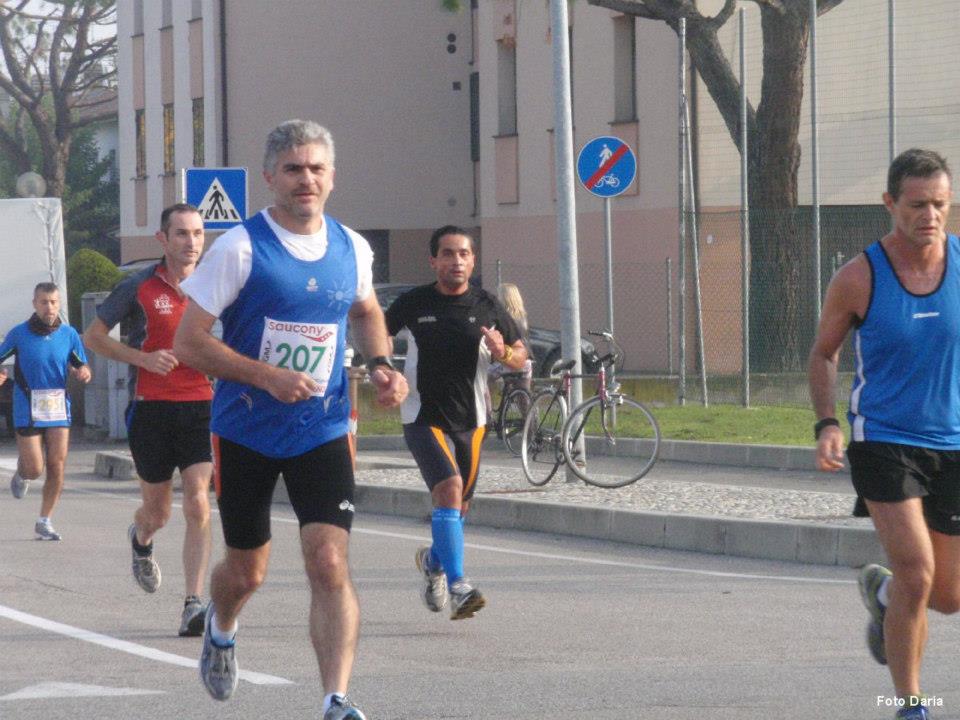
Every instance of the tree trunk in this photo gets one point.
(781, 271)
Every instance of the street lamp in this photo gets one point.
(31, 184)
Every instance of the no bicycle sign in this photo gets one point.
(606, 166)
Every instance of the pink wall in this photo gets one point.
(642, 241)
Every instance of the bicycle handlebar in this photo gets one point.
(615, 356)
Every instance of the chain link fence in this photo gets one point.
(781, 299)
(876, 98)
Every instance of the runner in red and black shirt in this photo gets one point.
(168, 418)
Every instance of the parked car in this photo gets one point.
(136, 265)
(544, 344)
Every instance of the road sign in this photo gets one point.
(220, 194)
(606, 166)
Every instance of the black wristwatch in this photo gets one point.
(375, 362)
(824, 423)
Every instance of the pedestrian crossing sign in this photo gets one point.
(220, 194)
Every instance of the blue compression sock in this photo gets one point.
(448, 541)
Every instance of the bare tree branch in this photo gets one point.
(825, 6)
(725, 12)
(54, 81)
(628, 7)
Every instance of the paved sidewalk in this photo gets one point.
(732, 500)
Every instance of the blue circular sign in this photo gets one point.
(606, 166)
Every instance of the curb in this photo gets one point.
(738, 537)
(774, 457)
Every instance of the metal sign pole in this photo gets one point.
(608, 252)
(682, 218)
(566, 205)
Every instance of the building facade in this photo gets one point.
(444, 117)
(203, 81)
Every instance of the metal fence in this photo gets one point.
(782, 303)
(876, 98)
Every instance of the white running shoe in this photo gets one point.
(435, 590)
(19, 486)
(218, 665)
(45, 531)
(343, 709)
(465, 600)
(145, 569)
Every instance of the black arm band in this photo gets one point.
(825, 423)
(375, 362)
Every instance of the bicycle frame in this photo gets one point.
(607, 390)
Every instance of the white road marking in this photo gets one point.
(125, 646)
(565, 558)
(45, 690)
(619, 563)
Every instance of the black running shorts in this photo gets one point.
(165, 435)
(430, 449)
(319, 483)
(889, 472)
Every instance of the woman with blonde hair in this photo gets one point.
(509, 295)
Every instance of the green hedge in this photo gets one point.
(88, 271)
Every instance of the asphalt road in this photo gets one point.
(573, 629)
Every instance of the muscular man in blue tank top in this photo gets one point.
(284, 283)
(901, 298)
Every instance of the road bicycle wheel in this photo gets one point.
(540, 451)
(512, 414)
(622, 423)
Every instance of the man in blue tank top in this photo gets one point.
(901, 298)
(284, 283)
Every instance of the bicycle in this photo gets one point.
(508, 416)
(611, 180)
(551, 436)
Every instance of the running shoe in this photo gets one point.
(192, 619)
(342, 709)
(45, 531)
(465, 600)
(435, 590)
(218, 665)
(19, 485)
(145, 569)
(870, 580)
(914, 713)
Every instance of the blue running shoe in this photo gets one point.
(914, 713)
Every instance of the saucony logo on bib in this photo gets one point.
(308, 347)
(920, 315)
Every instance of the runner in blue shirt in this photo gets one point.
(901, 300)
(45, 351)
(284, 283)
